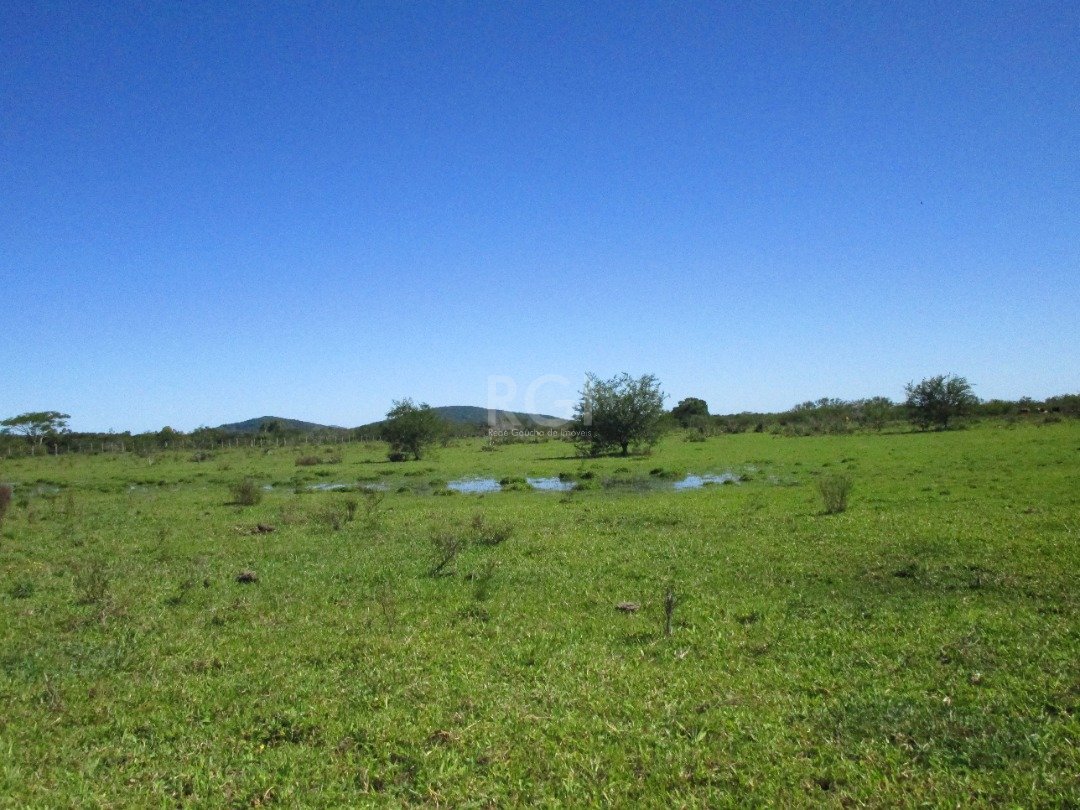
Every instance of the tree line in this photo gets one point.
(619, 415)
(625, 414)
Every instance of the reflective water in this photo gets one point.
(554, 484)
(550, 484)
(698, 481)
(474, 485)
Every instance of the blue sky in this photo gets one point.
(215, 211)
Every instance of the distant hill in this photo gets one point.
(472, 416)
(459, 415)
(256, 425)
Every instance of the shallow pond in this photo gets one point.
(550, 484)
(698, 481)
(555, 484)
(474, 485)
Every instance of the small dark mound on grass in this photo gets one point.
(247, 576)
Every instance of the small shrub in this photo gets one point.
(834, 491)
(335, 514)
(483, 581)
(396, 456)
(246, 492)
(446, 545)
(329, 517)
(308, 461)
(490, 534)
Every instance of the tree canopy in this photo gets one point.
(936, 400)
(37, 425)
(618, 413)
(409, 428)
(689, 408)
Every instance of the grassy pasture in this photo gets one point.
(920, 647)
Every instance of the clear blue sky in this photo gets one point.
(210, 212)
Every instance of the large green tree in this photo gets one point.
(409, 428)
(622, 412)
(690, 410)
(936, 400)
(37, 426)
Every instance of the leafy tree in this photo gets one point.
(167, 436)
(38, 425)
(688, 408)
(875, 412)
(410, 427)
(619, 412)
(936, 400)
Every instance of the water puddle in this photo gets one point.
(474, 485)
(699, 481)
(555, 484)
(550, 484)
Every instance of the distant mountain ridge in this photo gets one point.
(474, 415)
(454, 414)
(256, 425)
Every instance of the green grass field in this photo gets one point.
(921, 647)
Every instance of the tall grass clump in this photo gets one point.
(92, 583)
(834, 491)
(373, 499)
(670, 601)
(490, 534)
(5, 501)
(246, 492)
